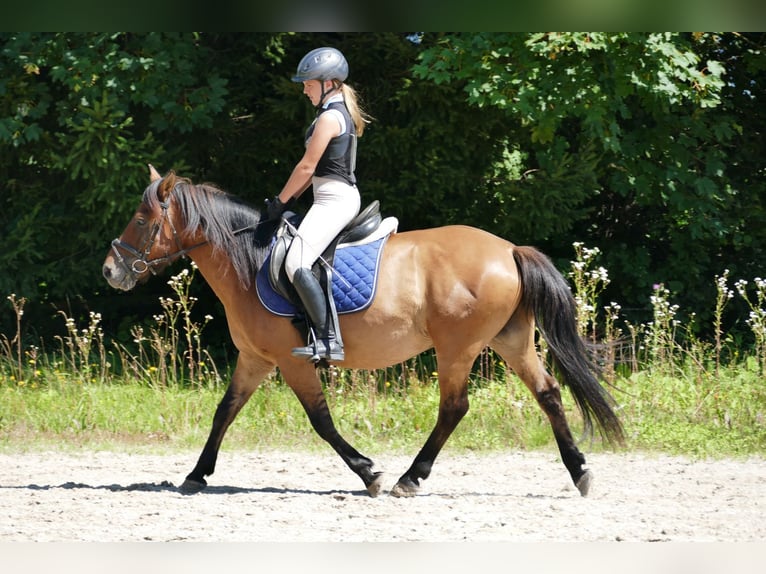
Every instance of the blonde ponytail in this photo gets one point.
(358, 115)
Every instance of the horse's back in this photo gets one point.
(436, 283)
(460, 248)
(450, 231)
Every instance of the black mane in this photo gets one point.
(228, 223)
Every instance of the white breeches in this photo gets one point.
(335, 204)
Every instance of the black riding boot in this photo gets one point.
(326, 345)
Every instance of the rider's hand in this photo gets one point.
(275, 208)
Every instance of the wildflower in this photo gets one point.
(602, 274)
(613, 311)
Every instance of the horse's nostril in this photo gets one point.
(107, 271)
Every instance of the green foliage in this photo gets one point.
(171, 352)
(695, 413)
(645, 145)
(674, 414)
(625, 139)
(672, 397)
(80, 117)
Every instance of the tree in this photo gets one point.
(619, 140)
(645, 145)
(80, 116)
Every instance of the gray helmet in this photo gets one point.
(322, 64)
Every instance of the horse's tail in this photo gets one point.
(546, 294)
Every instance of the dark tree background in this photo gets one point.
(649, 146)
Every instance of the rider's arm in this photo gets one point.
(326, 128)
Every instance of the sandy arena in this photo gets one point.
(299, 497)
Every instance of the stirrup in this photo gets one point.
(320, 349)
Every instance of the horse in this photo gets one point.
(455, 289)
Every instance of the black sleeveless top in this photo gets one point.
(339, 158)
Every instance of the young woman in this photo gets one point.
(327, 165)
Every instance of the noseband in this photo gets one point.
(141, 262)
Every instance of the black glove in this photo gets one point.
(275, 208)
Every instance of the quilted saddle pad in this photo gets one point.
(354, 280)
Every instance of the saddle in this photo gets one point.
(361, 227)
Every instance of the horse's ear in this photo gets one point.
(166, 186)
(154, 175)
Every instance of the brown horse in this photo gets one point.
(455, 289)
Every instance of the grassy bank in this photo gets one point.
(675, 393)
(673, 414)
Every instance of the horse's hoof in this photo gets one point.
(583, 484)
(374, 487)
(192, 486)
(404, 490)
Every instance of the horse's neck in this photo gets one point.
(220, 274)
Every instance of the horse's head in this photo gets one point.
(149, 242)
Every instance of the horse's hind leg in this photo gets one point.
(516, 346)
(453, 405)
(549, 400)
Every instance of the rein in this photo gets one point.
(141, 262)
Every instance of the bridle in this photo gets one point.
(141, 262)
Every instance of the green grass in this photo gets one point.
(697, 413)
(680, 414)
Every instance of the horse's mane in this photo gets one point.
(228, 223)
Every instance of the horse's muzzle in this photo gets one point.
(117, 277)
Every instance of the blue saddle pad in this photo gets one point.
(354, 280)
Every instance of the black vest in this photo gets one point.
(339, 158)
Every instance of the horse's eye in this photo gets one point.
(140, 221)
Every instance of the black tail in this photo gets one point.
(546, 294)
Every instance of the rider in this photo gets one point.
(327, 165)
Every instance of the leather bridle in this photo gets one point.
(141, 262)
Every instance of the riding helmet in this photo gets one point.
(322, 64)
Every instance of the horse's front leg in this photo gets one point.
(305, 383)
(247, 376)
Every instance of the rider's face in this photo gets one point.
(313, 90)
